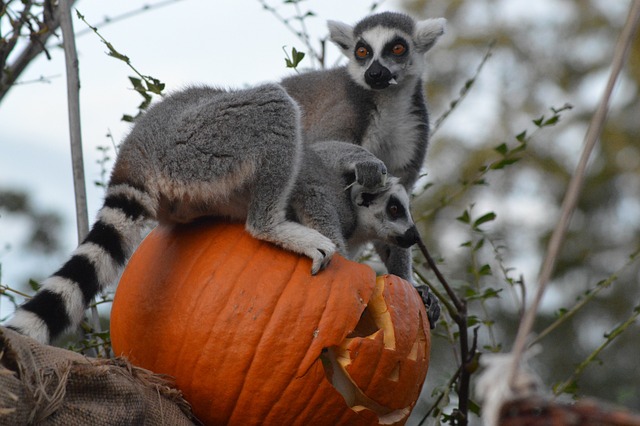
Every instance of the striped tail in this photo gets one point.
(98, 261)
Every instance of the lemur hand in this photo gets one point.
(371, 174)
(431, 303)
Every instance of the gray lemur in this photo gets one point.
(232, 154)
(375, 101)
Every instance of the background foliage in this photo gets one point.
(545, 54)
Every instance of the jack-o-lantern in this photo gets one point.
(251, 337)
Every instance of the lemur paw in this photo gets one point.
(321, 255)
(431, 303)
(371, 174)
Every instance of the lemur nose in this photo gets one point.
(374, 73)
(375, 70)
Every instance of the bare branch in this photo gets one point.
(575, 185)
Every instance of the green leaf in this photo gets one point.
(136, 83)
(464, 217)
(571, 389)
(472, 320)
(504, 163)
(35, 285)
(561, 312)
(502, 149)
(485, 270)
(521, 137)
(539, 121)
(484, 219)
(553, 120)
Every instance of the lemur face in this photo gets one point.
(385, 215)
(381, 58)
(383, 49)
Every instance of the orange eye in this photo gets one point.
(393, 210)
(362, 52)
(399, 49)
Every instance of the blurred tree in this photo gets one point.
(545, 54)
(44, 226)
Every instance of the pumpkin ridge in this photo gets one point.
(269, 330)
(237, 290)
(310, 301)
(193, 318)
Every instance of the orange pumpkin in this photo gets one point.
(252, 338)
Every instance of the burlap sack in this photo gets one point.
(44, 385)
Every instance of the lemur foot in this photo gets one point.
(371, 174)
(431, 303)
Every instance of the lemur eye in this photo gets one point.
(393, 210)
(398, 49)
(362, 52)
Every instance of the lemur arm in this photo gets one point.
(350, 159)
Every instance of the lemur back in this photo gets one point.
(231, 154)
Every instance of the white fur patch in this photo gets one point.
(393, 144)
(30, 325)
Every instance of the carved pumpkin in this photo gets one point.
(252, 338)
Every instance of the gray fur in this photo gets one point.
(237, 155)
(335, 179)
(376, 102)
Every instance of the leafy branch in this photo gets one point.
(564, 315)
(145, 85)
(508, 155)
(301, 33)
(569, 384)
(468, 85)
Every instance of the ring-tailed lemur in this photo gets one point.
(376, 100)
(234, 154)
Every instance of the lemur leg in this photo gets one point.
(271, 192)
(266, 218)
(398, 262)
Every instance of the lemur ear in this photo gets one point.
(428, 32)
(342, 35)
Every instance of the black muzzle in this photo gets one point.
(377, 76)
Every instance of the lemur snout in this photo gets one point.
(377, 76)
(409, 238)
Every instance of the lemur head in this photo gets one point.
(385, 48)
(384, 214)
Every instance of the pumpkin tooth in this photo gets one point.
(382, 317)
